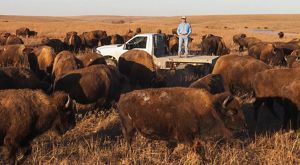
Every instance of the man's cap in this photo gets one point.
(183, 17)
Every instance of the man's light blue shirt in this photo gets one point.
(184, 29)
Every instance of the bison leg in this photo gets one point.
(198, 148)
(290, 119)
(25, 151)
(9, 150)
(171, 145)
(128, 130)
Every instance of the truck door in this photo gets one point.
(159, 45)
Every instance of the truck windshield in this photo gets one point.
(137, 42)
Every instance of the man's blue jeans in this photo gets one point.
(186, 43)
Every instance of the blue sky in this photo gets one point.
(147, 7)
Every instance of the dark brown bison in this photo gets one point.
(90, 59)
(179, 115)
(173, 44)
(138, 30)
(92, 84)
(113, 39)
(25, 114)
(20, 78)
(56, 44)
(45, 56)
(16, 56)
(91, 39)
(238, 71)
(174, 31)
(293, 59)
(139, 67)
(117, 39)
(213, 45)
(280, 34)
(73, 41)
(159, 31)
(13, 40)
(268, 53)
(64, 62)
(243, 41)
(23, 32)
(269, 85)
(213, 83)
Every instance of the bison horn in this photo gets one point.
(224, 105)
(68, 102)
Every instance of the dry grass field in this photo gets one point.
(97, 138)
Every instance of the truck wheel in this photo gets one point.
(111, 61)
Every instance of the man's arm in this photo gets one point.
(178, 29)
(189, 30)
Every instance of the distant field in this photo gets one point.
(264, 27)
(89, 143)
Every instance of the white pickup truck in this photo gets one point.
(155, 45)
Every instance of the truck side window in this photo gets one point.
(137, 42)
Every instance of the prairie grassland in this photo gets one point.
(97, 138)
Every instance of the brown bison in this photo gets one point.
(56, 44)
(238, 71)
(25, 32)
(113, 39)
(25, 114)
(138, 30)
(90, 59)
(269, 86)
(20, 78)
(179, 115)
(91, 39)
(280, 34)
(173, 44)
(16, 56)
(91, 84)
(45, 56)
(268, 53)
(213, 83)
(243, 41)
(3, 37)
(73, 41)
(64, 62)
(13, 40)
(293, 59)
(213, 45)
(139, 67)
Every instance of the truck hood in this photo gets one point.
(109, 49)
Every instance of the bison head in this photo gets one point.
(230, 111)
(277, 57)
(65, 120)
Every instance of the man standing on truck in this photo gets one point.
(184, 30)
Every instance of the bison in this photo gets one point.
(91, 39)
(213, 45)
(13, 40)
(16, 56)
(139, 67)
(243, 41)
(56, 44)
(179, 115)
(238, 71)
(25, 114)
(3, 37)
(45, 56)
(64, 62)
(213, 83)
(293, 59)
(90, 59)
(280, 34)
(269, 85)
(91, 84)
(268, 53)
(20, 78)
(73, 41)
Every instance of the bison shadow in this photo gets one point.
(266, 121)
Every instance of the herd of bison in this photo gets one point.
(42, 87)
